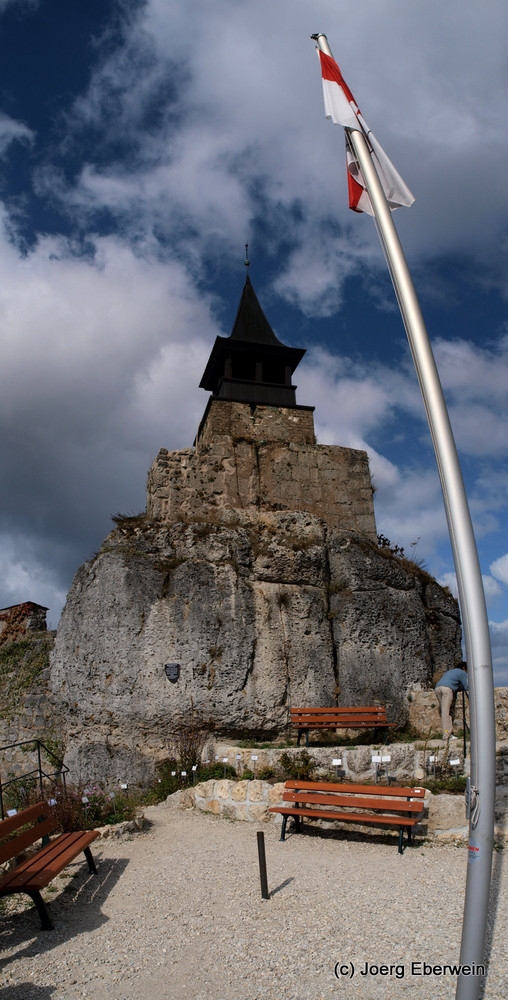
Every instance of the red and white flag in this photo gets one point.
(342, 109)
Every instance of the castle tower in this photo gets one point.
(253, 582)
(256, 447)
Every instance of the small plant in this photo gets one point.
(266, 773)
(216, 770)
(128, 523)
(187, 744)
(298, 766)
(20, 793)
(169, 778)
(83, 807)
(68, 808)
(453, 785)
(54, 749)
(385, 543)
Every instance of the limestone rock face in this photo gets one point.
(262, 611)
(256, 570)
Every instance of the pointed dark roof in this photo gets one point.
(252, 365)
(251, 323)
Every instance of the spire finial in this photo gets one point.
(246, 261)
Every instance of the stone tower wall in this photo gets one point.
(262, 458)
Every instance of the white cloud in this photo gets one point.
(449, 580)
(356, 400)
(240, 129)
(499, 569)
(491, 588)
(11, 130)
(100, 364)
(316, 271)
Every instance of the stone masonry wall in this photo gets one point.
(256, 423)
(409, 766)
(267, 462)
(443, 817)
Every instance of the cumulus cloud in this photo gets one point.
(98, 372)
(11, 130)
(449, 580)
(200, 132)
(491, 588)
(499, 569)
(356, 399)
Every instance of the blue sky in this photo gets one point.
(141, 146)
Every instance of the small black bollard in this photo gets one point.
(262, 865)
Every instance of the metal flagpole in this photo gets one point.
(481, 795)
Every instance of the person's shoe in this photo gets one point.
(454, 737)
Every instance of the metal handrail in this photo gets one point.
(59, 773)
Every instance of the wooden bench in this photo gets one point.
(37, 871)
(365, 717)
(383, 806)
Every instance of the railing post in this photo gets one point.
(40, 767)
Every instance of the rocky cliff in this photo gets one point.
(261, 611)
(256, 573)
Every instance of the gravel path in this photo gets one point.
(176, 914)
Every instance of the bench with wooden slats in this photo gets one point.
(364, 717)
(37, 871)
(362, 804)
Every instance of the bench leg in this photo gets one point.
(91, 863)
(40, 905)
(401, 836)
(298, 737)
(283, 828)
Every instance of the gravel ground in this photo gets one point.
(176, 914)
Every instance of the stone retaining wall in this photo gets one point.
(444, 815)
(409, 762)
(242, 800)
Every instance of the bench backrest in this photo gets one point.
(372, 797)
(40, 822)
(374, 714)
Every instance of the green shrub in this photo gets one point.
(100, 807)
(169, 778)
(299, 765)
(22, 793)
(266, 773)
(453, 785)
